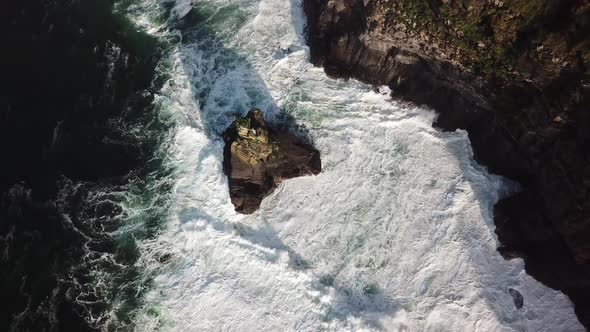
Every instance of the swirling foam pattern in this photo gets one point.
(395, 234)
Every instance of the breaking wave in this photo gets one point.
(395, 234)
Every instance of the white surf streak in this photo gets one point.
(395, 234)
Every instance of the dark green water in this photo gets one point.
(84, 173)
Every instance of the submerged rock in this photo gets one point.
(257, 158)
(517, 297)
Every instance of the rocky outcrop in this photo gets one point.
(257, 158)
(515, 75)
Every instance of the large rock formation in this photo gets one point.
(257, 158)
(515, 75)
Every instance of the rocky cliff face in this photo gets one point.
(257, 158)
(515, 75)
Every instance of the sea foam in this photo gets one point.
(395, 234)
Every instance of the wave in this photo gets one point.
(395, 234)
(86, 177)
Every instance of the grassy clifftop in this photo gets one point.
(531, 39)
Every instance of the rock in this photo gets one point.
(527, 117)
(257, 158)
(517, 297)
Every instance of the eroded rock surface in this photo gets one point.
(257, 158)
(514, 74)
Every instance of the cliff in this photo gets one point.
(76, 127)
(515, 75)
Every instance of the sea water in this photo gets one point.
(396, 233)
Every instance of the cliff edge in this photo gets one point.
(515, 75)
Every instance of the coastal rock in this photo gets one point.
(523, 98)
(257, 158)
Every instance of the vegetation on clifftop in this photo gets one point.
(510, 38)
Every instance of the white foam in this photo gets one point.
(395, 234)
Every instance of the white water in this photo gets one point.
(395, 234)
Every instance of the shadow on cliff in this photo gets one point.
(535, 245)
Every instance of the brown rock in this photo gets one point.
(257, 158)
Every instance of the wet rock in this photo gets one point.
(257, 158)
(517, 297)
(526, 114)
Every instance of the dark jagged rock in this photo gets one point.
(515, 75)
(257, 158)
(517, 297)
